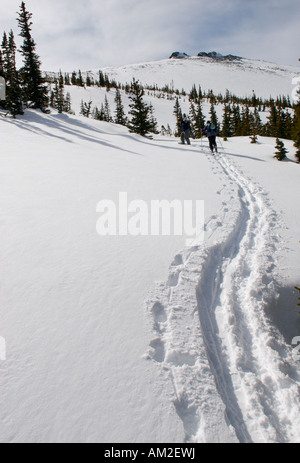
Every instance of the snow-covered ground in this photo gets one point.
(141, 339)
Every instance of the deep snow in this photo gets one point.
(139, 339)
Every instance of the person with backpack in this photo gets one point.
(211, 131)
(186, 130)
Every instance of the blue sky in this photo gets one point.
(89, 34)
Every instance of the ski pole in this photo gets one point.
(221, 144)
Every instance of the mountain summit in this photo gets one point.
(202, 54)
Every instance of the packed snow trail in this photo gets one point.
(230, 368)
(263, 364)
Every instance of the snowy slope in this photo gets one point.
(241, 77)
(139, 339)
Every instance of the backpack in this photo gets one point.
(185, 124)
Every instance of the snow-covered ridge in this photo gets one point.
(241, 77)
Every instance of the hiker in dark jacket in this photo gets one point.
(211, 131)
(186, 130)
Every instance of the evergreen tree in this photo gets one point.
(98, 114)
(166, 131)
(193, 116)
(246, 125)
(297, 146)
(82, 108)
(272, 125)
(163, 130)
(169, 130)
(74, 78)
(13, 89)
(213, 114)
(67, 106)
(1, 65)
(200, 117)
(85, 108)
(35, 91)
(253, 137)
(197, 119)
(120, 113)
(226, 125)
(140, 122)
(288, 125)
(227, 97)
(67, 79)
(153, 121)
(296, 128)
(236, 121)
(58, 100)
(79, 80)
(257, 124)
(212, 98)
(254, 101)
(61, 80)
(200, 94)
(178, 114)
(107, 83)
(284, 124)
(5, 56)
(281, 151)
(107, 113)
(2, 102)
(193, 93)
(101, 79)
(88, 81)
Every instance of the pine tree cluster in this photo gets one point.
(25, 87)
(241, 117)
(58, 100)
(142, 120)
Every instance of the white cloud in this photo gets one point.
(95, 33)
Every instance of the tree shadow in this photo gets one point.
(285, 313)
(243, 156)
(70, 127)
(25, 125)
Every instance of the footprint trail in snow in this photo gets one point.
(232, 374)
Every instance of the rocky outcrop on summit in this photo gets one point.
(179, 55)
(218, 56)
(212, 54)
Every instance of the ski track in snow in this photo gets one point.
(233, 376)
